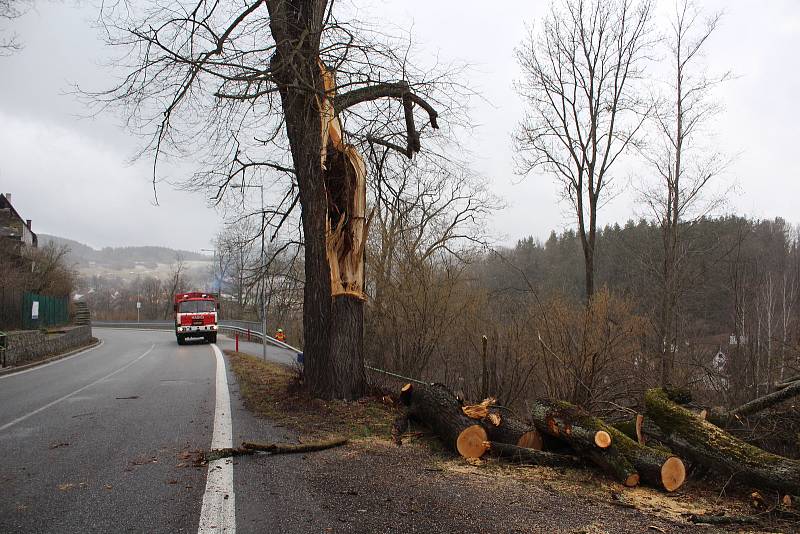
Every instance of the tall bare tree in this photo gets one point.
(684, 162)
(584, 111)
(270, 91)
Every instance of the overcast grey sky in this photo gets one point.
(71, 176)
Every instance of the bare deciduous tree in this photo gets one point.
(580, 73)
(255, 90)
(684, 162)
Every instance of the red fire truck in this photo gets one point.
(196, 316)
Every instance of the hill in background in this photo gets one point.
(126, 262)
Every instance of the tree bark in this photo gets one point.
(296, 27)
(567, 422)
(587, 435)
(655, 467)
(709, 445)
(502, 426)
(347, 347)
(438, 409)
(762, 403)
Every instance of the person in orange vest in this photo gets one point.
(280, 336)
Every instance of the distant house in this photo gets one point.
(14, 230)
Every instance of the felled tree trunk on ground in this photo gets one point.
(788, 391)
(586, 435)
(655, 467)
(526, 455)
(567, 422)
(501, 426)
(438, 409)
(709, 445)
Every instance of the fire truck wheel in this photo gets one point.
(212, 338)
(181, 341)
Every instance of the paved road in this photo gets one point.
(97, 442)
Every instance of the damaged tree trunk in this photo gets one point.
(587, 435)
(709, 445)
(346, 227)
(438, 409)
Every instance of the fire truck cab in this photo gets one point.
(196, 316)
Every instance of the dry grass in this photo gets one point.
(273, 391)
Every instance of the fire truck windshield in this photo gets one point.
(196, 306)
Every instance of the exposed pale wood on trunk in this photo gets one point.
(502, 426)
(587, 435)
(345, 176)
(437, 408)
(565, 421)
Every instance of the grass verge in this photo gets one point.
(273, 391)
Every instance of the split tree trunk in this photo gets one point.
(709, 445)
(438, 409)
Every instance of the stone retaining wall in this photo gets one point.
(26, 346)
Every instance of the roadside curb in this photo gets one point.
(11, 370)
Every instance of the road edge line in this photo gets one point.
(218, 511)
(18, 370)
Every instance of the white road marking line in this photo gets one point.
(66, 358)
(65, 397)
(218, 513)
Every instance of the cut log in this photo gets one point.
(762, 403)
(437, 408)
(655, 467)
(709, 445)
(644, 431)
(567, 422)
(505, 428)
(587, 435)
(513, 453)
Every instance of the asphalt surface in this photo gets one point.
(101, 441)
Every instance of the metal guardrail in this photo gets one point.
(240, 327)
(249, 328)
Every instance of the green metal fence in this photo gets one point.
(39, 311)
